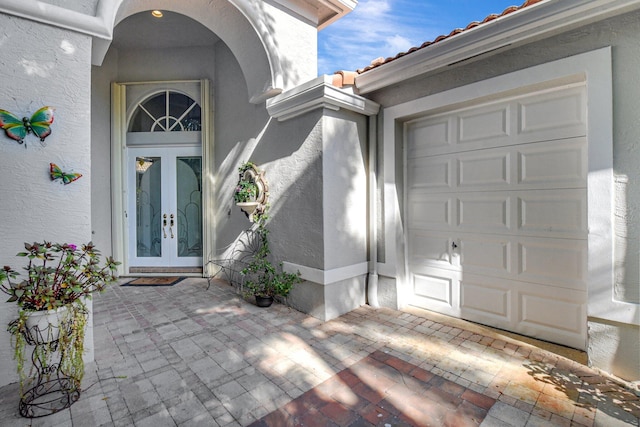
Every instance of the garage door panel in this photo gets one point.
(540, 311)
(430, 173)
(484, 168)
(553, 213)
(429, 136)
(487, 302)
(555, 262)
(430, 249)
(550, 314)
(521, 120)
(550, 115)
(484, 212)
(430, 212)
(489, 123)
(485, 255)
(553, 164)
(437, 290)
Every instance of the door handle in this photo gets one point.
(171, 226)
(164, 224)
(453, 245)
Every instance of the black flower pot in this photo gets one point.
(263, 301)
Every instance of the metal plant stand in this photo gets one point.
(52, 389)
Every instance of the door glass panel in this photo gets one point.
(189, 198)
(148, 205)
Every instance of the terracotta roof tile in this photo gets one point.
(381, 61)
(344, 78)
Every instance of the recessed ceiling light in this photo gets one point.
(157, 13)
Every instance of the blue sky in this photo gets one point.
(386, 27)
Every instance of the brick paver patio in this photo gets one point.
(189, 356)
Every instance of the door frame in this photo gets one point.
(119, 214)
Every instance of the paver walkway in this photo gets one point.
(190, 356)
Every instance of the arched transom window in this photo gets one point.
(167, 111)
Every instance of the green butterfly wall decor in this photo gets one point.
(39, 124)
(65, 177)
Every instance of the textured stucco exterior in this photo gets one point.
(314, 154)
(263, 49)
(42, 65)
(341, 196)
(621, 33)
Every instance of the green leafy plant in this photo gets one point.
(264, 278)
(247, 166)
(246, 191)
(57, 276)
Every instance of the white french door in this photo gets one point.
(165, 206)
(162, 162)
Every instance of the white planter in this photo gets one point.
(44, 326)
(248, 207)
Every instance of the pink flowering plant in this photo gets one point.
(245, 191)
(57, 275)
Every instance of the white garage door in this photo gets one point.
(496, 208)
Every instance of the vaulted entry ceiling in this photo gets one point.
(143, 31)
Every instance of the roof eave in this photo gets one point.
(319, 12)
(531, 23)
(338, 9)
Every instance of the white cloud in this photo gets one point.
(384, 28)
(375, 28)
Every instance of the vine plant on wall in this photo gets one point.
(252, 192)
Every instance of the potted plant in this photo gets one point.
(251, 192)
(265, 281)
(51, 309)
(245, 191)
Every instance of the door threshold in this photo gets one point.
(166, 271)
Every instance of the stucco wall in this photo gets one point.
(611, 348)
(42, 65)
(345, 184)
(288, 152)
(622, 34)
(88, 7)
(142, 65)
(326, 228)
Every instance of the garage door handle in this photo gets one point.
(453, 245)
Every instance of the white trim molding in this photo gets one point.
(525, 25)
(326, 277)
(318, 93)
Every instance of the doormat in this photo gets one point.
(154, 281)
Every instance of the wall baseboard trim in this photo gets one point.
(326, 277)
